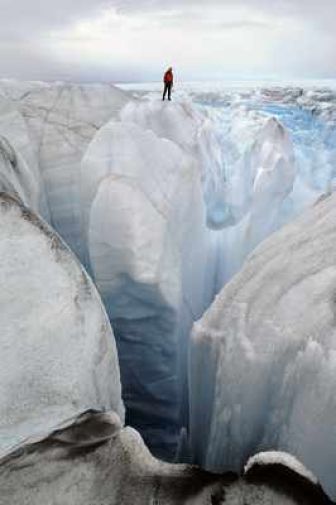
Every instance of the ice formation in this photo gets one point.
(162, 203)
(142, 235)
(58, 353)
(60, 120)
(95, 462)
(268, 342)
(147, 242)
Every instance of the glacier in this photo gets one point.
(163, 203)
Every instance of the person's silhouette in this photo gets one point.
(168, 80)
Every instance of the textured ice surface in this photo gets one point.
(268, 343)
(58, 355)
(95, 462)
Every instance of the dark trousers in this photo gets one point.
(167, 88)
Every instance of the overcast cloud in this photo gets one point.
(122, 40)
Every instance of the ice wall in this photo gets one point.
(134, 214)
(257, 186)
(61, 119)
(192, 130)
(148, 249)
(58, 354)
(287, 136)
(276, 162)
(268, 343)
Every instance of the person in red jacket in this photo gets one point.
(168, 80)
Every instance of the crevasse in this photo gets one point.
(162, 203)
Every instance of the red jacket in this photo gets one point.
(168, 77)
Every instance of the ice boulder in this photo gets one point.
(58, 355)
(267, 352)
(146, 238)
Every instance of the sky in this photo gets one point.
(135, 40)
